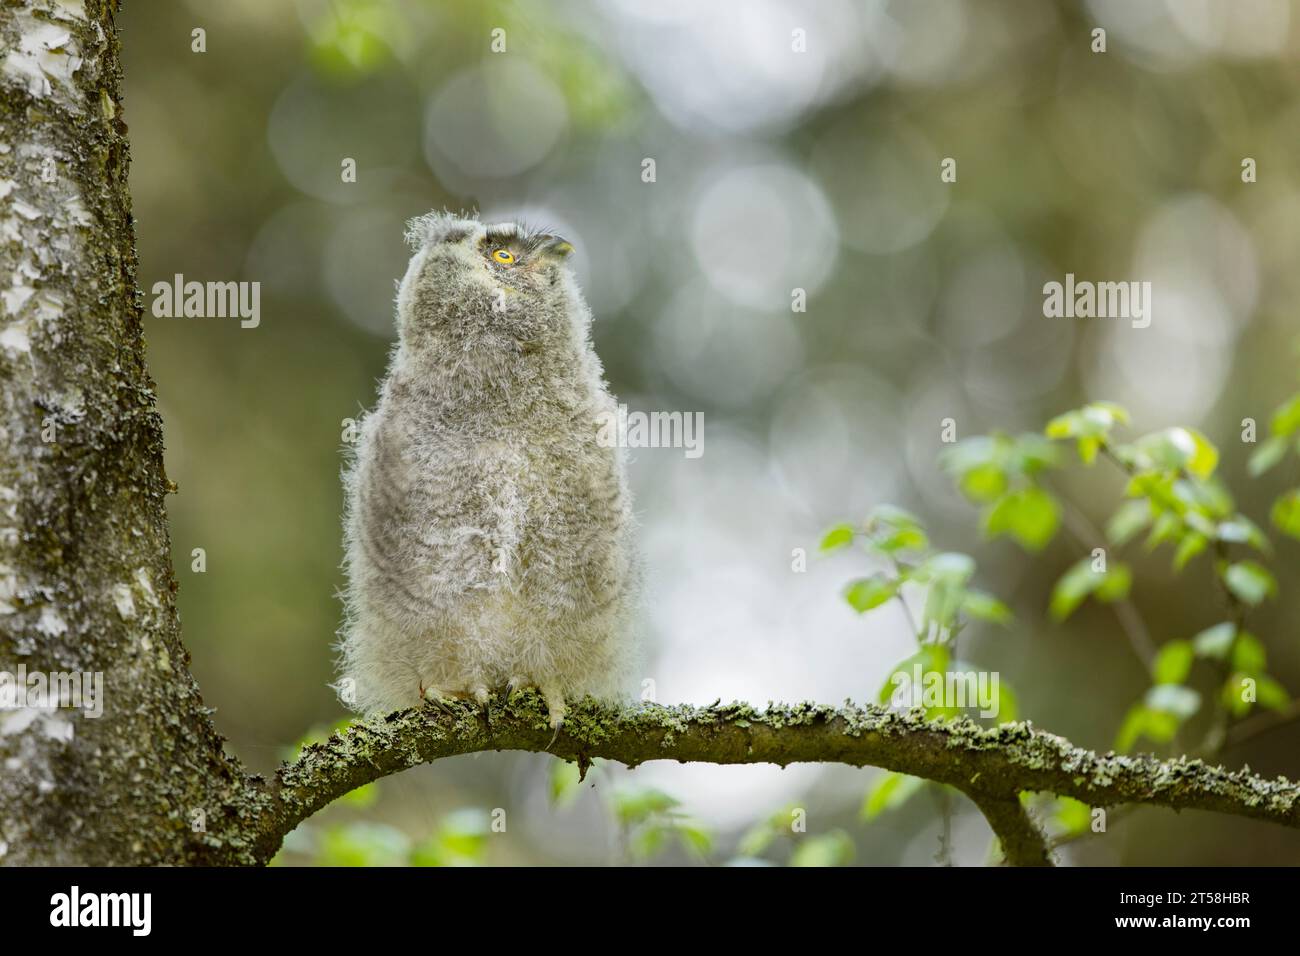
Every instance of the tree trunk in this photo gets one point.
(86, 583)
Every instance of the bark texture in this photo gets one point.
(85, 570)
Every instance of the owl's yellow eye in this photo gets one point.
(504, 256)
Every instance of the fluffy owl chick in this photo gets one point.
(489, 535)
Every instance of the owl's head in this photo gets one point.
(510, 245)
(485, 281)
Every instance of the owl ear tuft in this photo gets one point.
(435, 227)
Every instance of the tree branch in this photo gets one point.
(1023, 844)
(991, 765)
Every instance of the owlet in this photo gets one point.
(489, 533)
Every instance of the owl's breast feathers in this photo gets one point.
(512, 511)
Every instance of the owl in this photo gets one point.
(489, 533)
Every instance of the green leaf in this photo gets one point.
(867, 593)
(931, 658)
(363, 844)
(636, 804)
(1095, 419)
(1249, 655)
(1250, 581)
(1197, 519)
(1214, 499)
(1167, 527)
(983, 483)
(1287, 417)
(985, 465)
(1115, 584)
(1269, 693)
(1175, 699)
(890, 790)
(943, 601)
(1206, 457)
(1144, 721)
(1191, 545)
(1213, 643)
(1088, 448)
(1030, 454)
(830, 849)
(1158, 717)
(951, 566)
(1130, 518)
(1066, 425)
(1268, 454)
(891, 529)
(564, 784)
(1241, 530)
(1132, 728)
(985, 607)
(1030, 515)
(648, 841)
(757, 839)
(1286, 513)
(1161, 726)
(1072, 816)
(1073, 587)
(837, 537)
(1173, 663)
(1167, 450)
(1178, 449)
(697, 840)
(900, 539)
(1157, 488)
(364, 796)
(979, 452)
(1118, 413)
(1233, 694)
(461, 837)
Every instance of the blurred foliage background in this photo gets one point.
(775, 170)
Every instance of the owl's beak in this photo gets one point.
(557, 248)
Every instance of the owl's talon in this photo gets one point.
(432, 695)
(518, 684)
(556, 710)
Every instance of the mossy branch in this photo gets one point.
(992, 766)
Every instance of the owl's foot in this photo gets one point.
(553, 696)
(555, 708)
(438, 698)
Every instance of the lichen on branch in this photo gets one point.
(991, 765)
